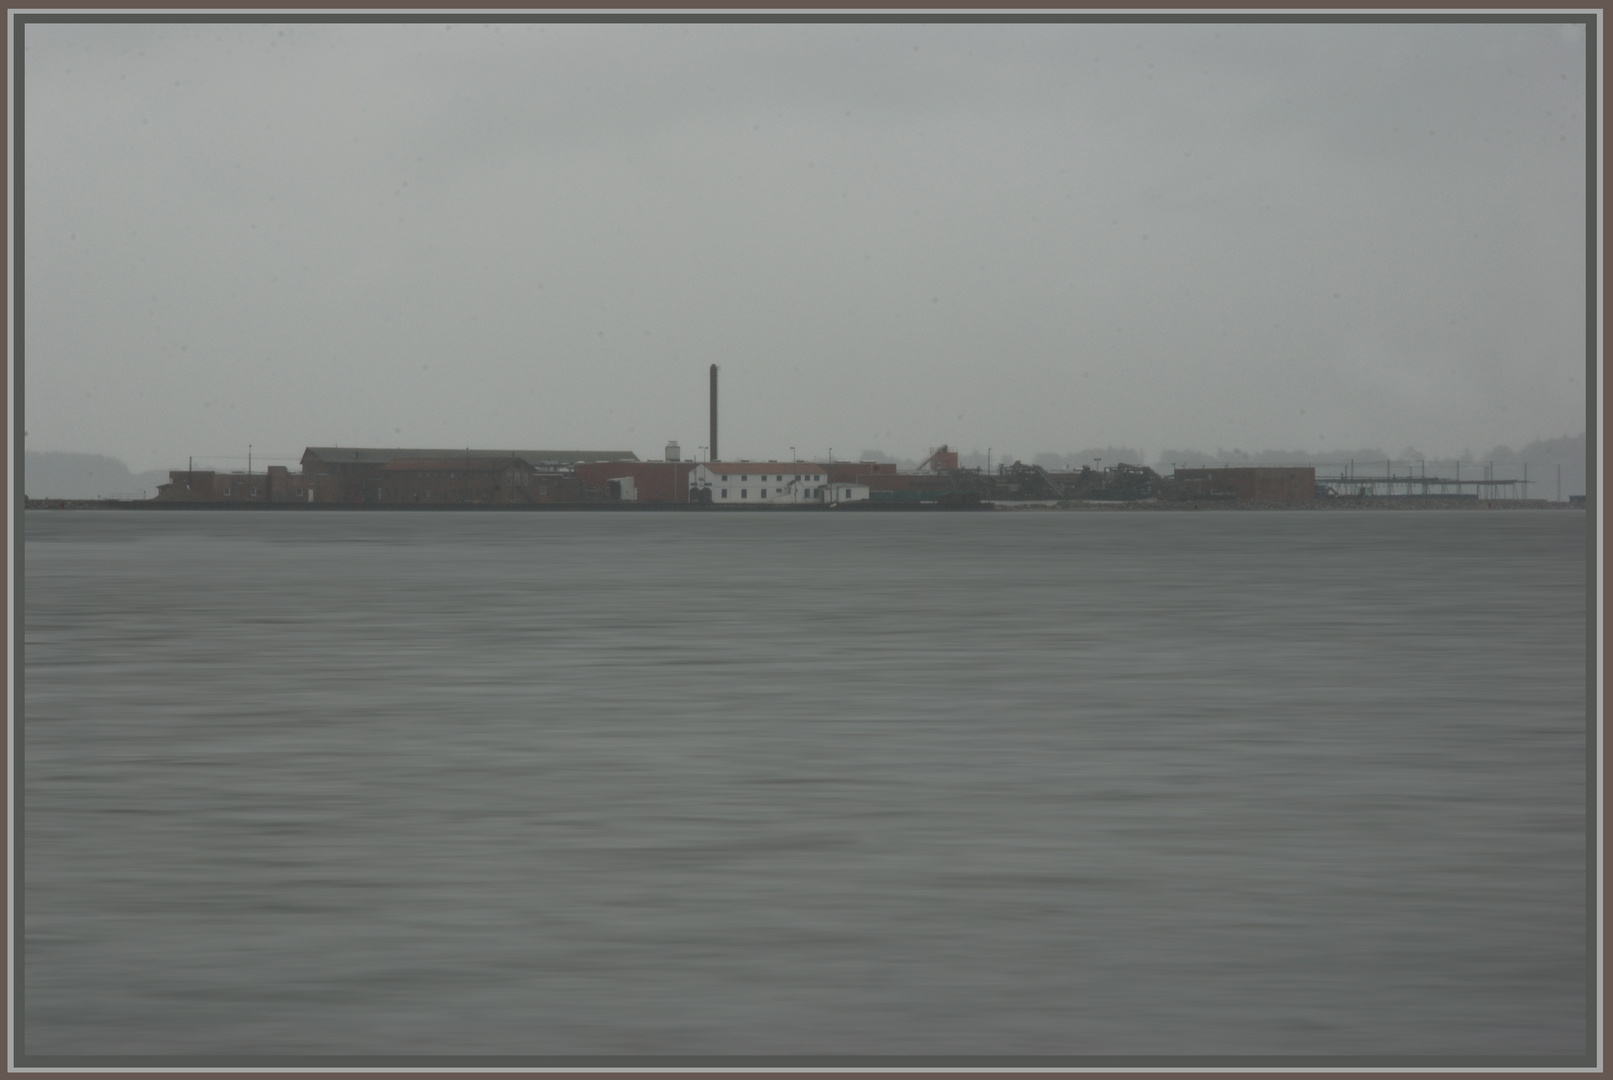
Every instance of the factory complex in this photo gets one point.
(375, 477)
(371, 477)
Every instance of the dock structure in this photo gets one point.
(1351, 481)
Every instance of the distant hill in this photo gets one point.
(55, 474)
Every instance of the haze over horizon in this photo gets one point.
(1298, 238)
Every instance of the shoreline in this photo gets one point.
(1342, 503)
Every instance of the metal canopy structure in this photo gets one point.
(1347, 481)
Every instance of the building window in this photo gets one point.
(725, 478)
(725, 493)
(299, 493)
(226, 490)
(764, 493)
(744, 493)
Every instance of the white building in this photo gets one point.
(771, 483)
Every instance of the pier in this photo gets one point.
(1351, 480)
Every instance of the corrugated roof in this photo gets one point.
(360, 455)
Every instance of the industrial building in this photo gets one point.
(637, 481)
(364, 476)
(406, 477)
(1269, 484)
(773, 483)
(568, 477)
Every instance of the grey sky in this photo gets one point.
(1040, 237)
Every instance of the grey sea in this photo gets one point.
(793, 786)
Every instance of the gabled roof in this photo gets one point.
(359, 455)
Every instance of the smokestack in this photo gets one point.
(714, 456)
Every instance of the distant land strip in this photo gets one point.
(1344, 503)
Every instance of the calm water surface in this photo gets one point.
(570, 783)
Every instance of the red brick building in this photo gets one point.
(476, 480)
(358, 476)
(1280, 484)
(653, 481)
(276, 484)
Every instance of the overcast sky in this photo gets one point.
(1037, 237)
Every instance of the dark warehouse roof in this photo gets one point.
(361, 455)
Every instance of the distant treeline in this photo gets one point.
(978, 459)
(1541, 451)
(1543, 457)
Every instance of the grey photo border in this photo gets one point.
(1590, 1059)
